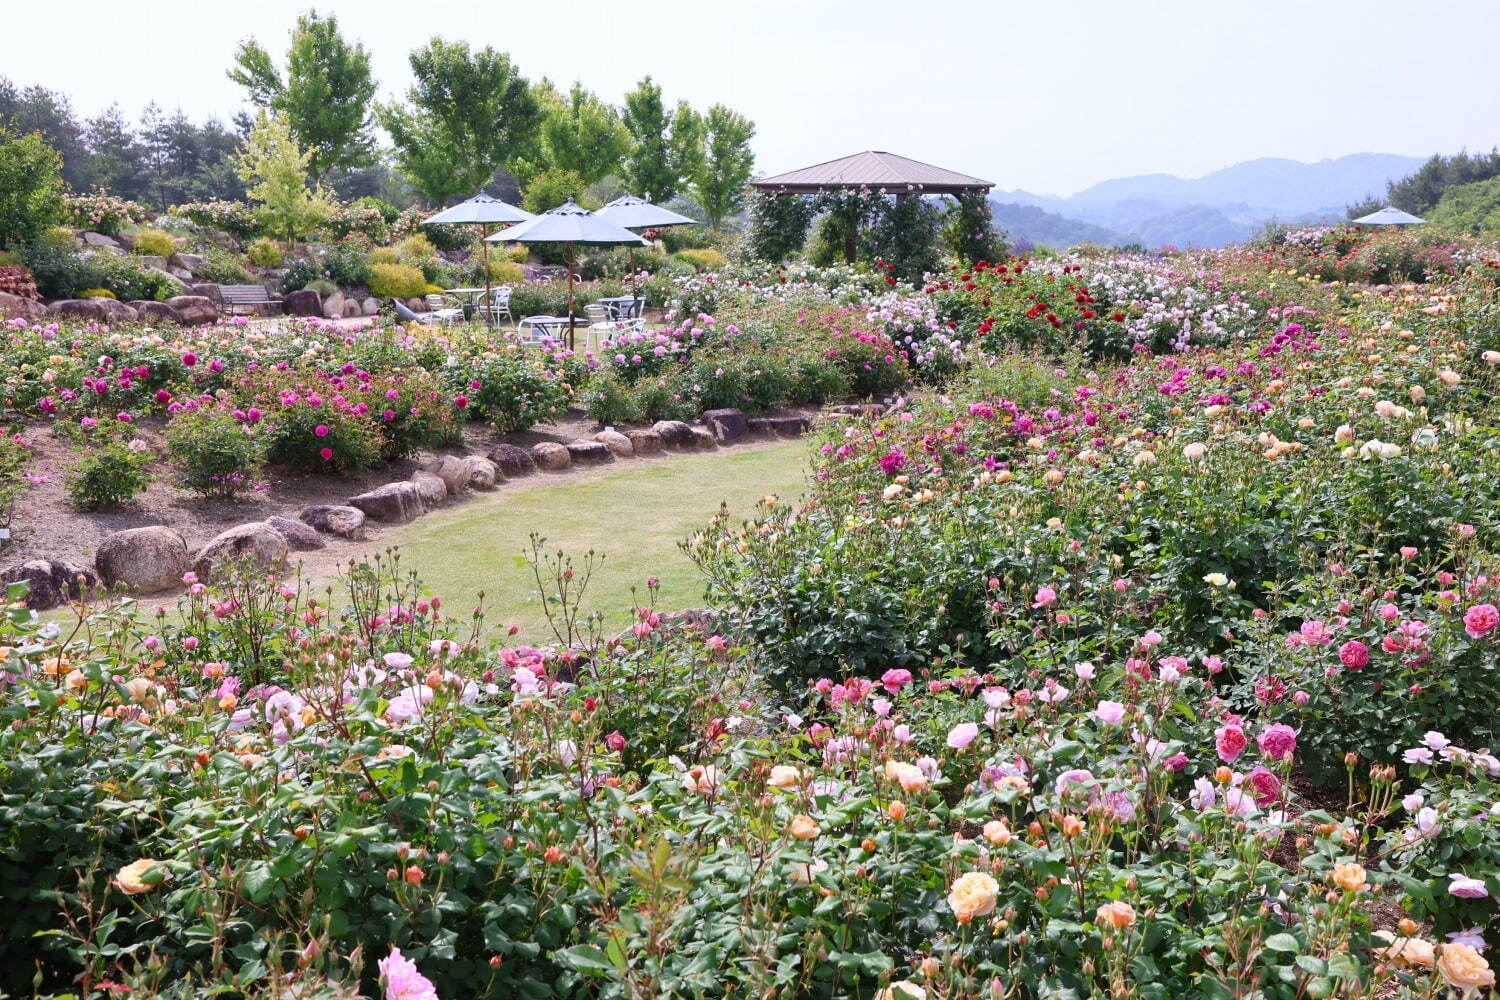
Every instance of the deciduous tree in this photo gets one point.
(326, 94)
(275, 172)
(720, 177)
(469, 113)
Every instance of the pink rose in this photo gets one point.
(1110, 712)
(1480, 620)
(962, 735)
(1230, 742)
(1354, 654)
(1277, 741)
(1264, 785)
(895, 679)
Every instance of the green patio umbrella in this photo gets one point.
(631, 212)
(484, 211)
(574, 226)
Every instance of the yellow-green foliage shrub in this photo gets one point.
(396, 281)
(96, 293)
(706, 259)
(154, 243)
(507, 272)
(263, 252)
(519, 254)
(383, 255)
(414, 250)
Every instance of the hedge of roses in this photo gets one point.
(354, 789)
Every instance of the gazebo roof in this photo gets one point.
(876, 170)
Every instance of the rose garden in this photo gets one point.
(1134, 632)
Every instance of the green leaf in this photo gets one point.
(1283, 942)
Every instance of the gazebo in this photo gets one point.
(877, 170)
(873, 172)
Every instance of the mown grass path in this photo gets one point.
(634, 515)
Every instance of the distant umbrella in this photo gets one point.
(1389, 216)
(569, 224)
(637, 213)
(631, 212)
(484, 211)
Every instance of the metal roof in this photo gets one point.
(874, 169)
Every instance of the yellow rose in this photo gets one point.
(804, 873)
(132, 878)
(997, 833)
(1117, 915)
(803, 827)
(902, 989)
(1406, 951)
(1350, 876)
(140, 689)
(702, 779)
(1463, 968)
(784, 776)
(973, 895)
(909, 775)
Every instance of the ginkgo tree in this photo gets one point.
(275, 170)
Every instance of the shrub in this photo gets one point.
(109, 474)
(61, 270)
(816, 381)
(222, 267)
(512, 389)
(505, 272)
(130, 281)
(388, 213)
(609, 399)
(348, 262)
(15, 455)
(232, 217)
(383, 255)
(264, 252)
(706, 259)
(356, 218)
(518, 253)
(330, 438)
(217, 454)
(322, 286)
(396, 281)
(300, 273)
(30, 188)
(103, 213)
(155, 243)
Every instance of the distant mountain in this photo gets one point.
(1271, 184)
(1048, 229)
(1225, 206)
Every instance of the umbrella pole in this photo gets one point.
(486, 241)
(570, 297)
(632, 273)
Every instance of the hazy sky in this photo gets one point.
(1045, 96)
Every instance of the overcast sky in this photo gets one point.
(1046, 96)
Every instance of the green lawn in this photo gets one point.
(633, 515)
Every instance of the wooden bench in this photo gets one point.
(252, 298)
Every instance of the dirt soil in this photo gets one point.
(46, 525)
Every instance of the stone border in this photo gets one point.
(154, 558)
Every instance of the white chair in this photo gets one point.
(536, 331)
(497, 305)
(602, 325)
(445, 310)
